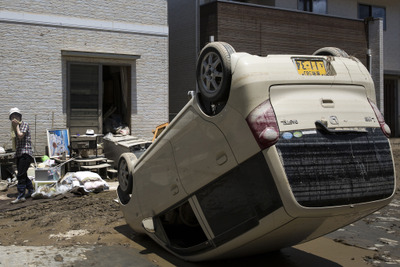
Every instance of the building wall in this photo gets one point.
(133, 11)
(184, 46)
(270, 31)
(349, 9)
(376, 47)
(33, 34)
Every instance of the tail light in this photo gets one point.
(263, 124)
(385, 128)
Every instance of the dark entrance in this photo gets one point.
(98, 97)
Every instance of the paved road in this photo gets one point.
(76, 256)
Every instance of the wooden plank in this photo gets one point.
(90, 160)
(100, 166)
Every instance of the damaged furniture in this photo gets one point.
(6, 162)
(116, 145)
(86, 145)
(88, 154)
(98, 164)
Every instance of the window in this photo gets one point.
(84, 92)
(365, 11)
(315, 6)
(256, 2)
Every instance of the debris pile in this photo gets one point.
(76, 182)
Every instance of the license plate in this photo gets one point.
(310, 67)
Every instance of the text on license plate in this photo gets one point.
(310, 67)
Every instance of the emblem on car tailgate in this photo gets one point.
(333, 120)
(289, 122)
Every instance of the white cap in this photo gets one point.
(14, 110)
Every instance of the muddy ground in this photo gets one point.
(90, 230)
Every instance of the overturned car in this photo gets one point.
(272, 151)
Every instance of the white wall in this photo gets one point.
(33, 34)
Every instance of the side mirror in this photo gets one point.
(148, 225)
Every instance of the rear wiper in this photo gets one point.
(322, 127)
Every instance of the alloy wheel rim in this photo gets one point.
(211, 73)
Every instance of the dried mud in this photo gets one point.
(64, 221)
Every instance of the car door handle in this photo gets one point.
(221, 159)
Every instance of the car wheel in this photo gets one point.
(214, 72)
(331, 51)
(125, 171)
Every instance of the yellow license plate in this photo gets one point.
(310, 67)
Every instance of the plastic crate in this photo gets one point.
(38, 184)
(47, 174)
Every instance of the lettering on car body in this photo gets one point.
(289, 122)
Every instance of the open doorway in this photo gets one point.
(98, 97)
(116, 100)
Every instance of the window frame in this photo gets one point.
(370, 12)
(100, 59)
(310, 3)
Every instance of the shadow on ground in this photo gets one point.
(288, 257)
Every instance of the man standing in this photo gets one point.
(23, 154)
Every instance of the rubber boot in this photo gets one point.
(29, 186)
(20, 198)
(21, 188)
(30, 192)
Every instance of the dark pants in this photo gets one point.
(24, 182)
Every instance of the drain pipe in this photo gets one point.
(368, 52)
(369, 59)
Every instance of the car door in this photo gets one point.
(201, 151)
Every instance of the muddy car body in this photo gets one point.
(272, 151)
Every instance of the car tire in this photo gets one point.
(214, 72)
(125, 173)
(331, 51)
